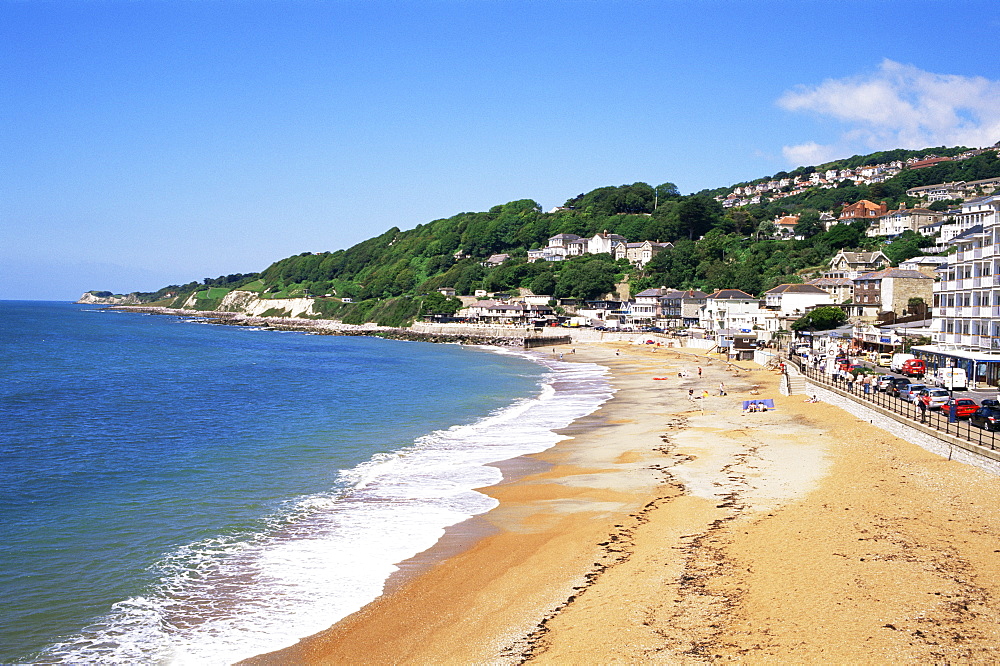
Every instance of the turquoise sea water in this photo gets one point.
(176, 492)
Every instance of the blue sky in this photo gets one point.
(145, 143)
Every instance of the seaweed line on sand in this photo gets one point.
(617, 549)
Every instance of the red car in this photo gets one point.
(964, 406)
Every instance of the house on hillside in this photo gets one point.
(827, 219)
(841, 289)
(785, 226)
(926, 162)
(939, 192)
(862, 210)
(604, 242)
(639, 254)
(895, 222)
(496, 259)
(927, 265)
(850, 265)
(982, 187)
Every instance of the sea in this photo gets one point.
(176, 492)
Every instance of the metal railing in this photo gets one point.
(936, 419)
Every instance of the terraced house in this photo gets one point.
(895, 222)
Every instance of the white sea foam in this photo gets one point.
(325, 556)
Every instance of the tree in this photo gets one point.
(809, 224)
(665, 192)
(906, 246)
(820, 319)
(696, 215)
(767, 229)
(543, 284)
(842, 236)
(437, 303)
(586, 280)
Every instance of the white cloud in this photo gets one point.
(810, 153)
(898, 106)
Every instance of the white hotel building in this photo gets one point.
(967, 299)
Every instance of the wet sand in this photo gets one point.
(677, 531)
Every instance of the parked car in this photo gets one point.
(896, 364)
(911, 391)
(915, 367)
(964, 407)
(896, 385)
(882, 383)
(987, 418)
(933, 398)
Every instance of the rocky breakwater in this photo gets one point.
(334, 327)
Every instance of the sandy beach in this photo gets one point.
(679, 531)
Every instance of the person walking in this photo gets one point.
(722, 388)
(699, 372)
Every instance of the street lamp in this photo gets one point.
(952, 411)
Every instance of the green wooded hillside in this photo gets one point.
(714, 248)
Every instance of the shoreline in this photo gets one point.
(667, 532)
(576, 487)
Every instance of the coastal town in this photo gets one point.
(946, 305)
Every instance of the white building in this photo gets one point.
(604, 242)
(966, 321)
(732, 309)
(788, 302)
(967, 298)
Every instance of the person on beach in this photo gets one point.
(722, 388)
(691, 395)
(704, 394)
(699, 372)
